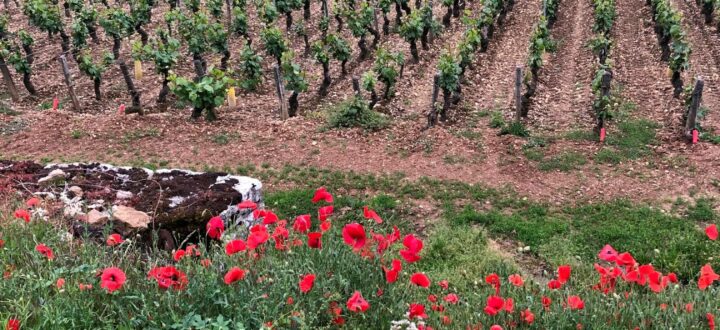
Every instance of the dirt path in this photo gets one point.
(564, 96)
(704, 59)
(641, 75)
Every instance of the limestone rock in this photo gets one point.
(52, 176)
(130, 216)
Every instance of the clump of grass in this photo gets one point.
(355, 113)
(565, 162)
(515, 128)
(703, 210)
(631, 141)
(496, 119)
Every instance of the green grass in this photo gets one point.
(630, 141)
(138, 134)
(564, 162)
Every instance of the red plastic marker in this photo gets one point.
(602, 134)
(695, 136)
(56, 103)
(121, 109)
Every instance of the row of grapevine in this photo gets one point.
(540, 44)
(604, 12)
(453, 64)
(673, 42)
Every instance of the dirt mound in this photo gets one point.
(133, 200)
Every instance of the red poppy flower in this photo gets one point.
(354, 235)
(625, 259)
(432, 298)
(575, 302)
(417, 311)
(302, 223)
(496, 327)
(707, 277)
(391, 275)
(2, 244)
(179, 254)
(60, 283)
(663, 306)
(563, 273)
(13, 324)
(325, 226)
(494, 305)
(322, 195)
(192, 250)
(369, 213)
(413, 246)
(608, 253)
(114, 239)
(546, 301)
(22, 214)
(451, 298)
(32, 202)
(527, 316)
(554, 284)
(324, 212)
(712, 232)
(290, 301)
(357, 303)
(258, 236)
(516, 280)
(84, 287)
(233, 275)
(711, 321)
(493, 279)
(168, 277)
(205, 263)
(446, 320)
(215, 227)
(247, 204)
(306, 283)
(112, 279)
(509, 305)
(234, 246)
(315, 240)
(420, 280)
(689, 307)
(672, 277)
(444, 284)
(44, 250)
(268, 217)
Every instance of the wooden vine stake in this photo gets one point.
(691, 120)
(518, 93)
(7, 78)
(281, 93)
(69, 83)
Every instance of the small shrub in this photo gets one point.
(355, 113)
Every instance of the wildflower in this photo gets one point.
(689, 307)
(112, 279)
(247, 204)
(546, 301)
(315, 240)
(234, 246)
(357, 303)
(379, 292)
(413, 246)
(215, 227)
(494, 305)
(446, 320)
(711, 321)
(494, 280)
(179, 254)
(496, 327)
(527, 316)
(369, 213)
(321, 194)
(205, 263)
(258, 236)
(306, 283)
(302, 223)
(575, 302)
(516, 280)
(509, 305)
(444, 284)
(268, 217)
(168, 277)
(84, 287)
(417, 310)
(554, 284)
(354, 235)
(432, 298)
(324, 212)
(663, 306)
(233, 275)
(608, 254)
(13, 324)
(32, 202)
(114, 239)
(60, 283)
(707, 277)
(22, 214)
(711, 231)
(44, 250)
(563, 274)
(420, 280)
(325, 226)
(451, 298)
(290, 301)
(2, 244)
(391, 274)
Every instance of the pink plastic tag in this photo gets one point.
(56, 103)
(121, 109)
(602, 134)
(695, 136)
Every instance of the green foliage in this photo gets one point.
(632, 140)
(192, 5)
(412, 27)
(293, 75)
(44, 15)
(287, 6)
(117, 23)
(206, 94)
(217, 37)
(18, 60)
(196, 31)
(564, 162)
(240, 21)
(515, 128)
(140, 11)
(250, 68)
(360, 19)
(79, 33)
(76, 6)
(467, 46)
(368, 81)
(164, 52)
(703, 210)
(275, 44)
(215, 7)
(604, 16)
(320, 52)
(91, 68)
(540, 43)
(387, 66)
(25, 38)
(355, 113)
(338, 47)
(449, 70)
(669, 22)
(267, 11)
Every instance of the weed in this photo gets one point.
(564, 162)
